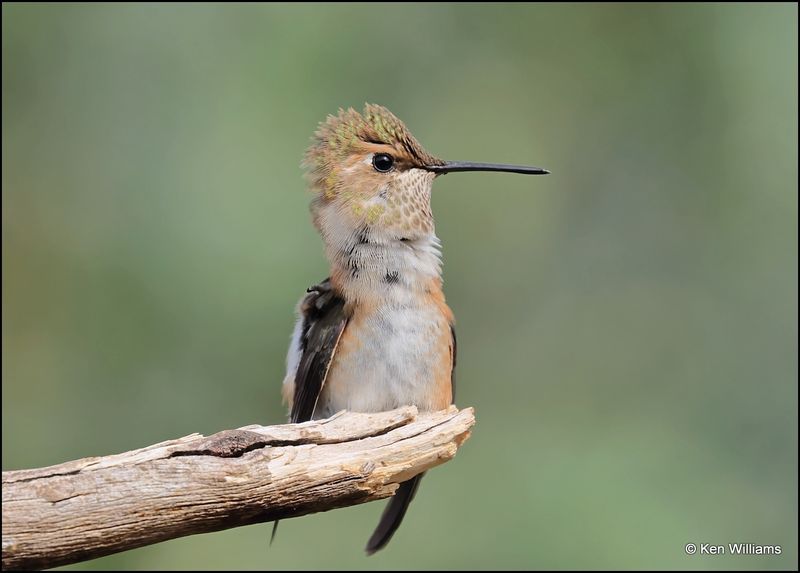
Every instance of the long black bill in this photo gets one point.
(453, 166)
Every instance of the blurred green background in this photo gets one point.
(627, 325)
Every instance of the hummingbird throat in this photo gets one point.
(371, 268)
(377, 263)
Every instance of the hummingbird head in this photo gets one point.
(370, 174)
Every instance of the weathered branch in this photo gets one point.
(96, 506)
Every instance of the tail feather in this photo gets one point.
(393, 514)
(274, 531)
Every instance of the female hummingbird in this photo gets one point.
(377, 333)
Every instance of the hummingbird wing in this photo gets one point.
(395, 511)
(314, 342)
(324, 321)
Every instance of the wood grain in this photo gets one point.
(91, 507)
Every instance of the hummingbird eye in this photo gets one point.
(382, 162)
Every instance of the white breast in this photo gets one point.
(397, 345)
(386, 360)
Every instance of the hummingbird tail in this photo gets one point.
(393, 514)
(274, 531)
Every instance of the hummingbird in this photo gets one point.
(376, 334)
